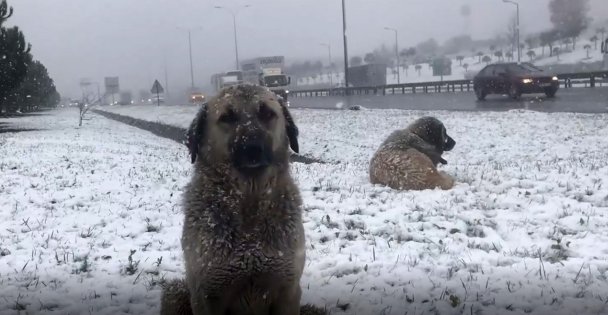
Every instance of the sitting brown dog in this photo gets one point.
(243, 237)
(408, 158)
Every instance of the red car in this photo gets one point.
(514, 79)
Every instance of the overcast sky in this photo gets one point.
(133, 38)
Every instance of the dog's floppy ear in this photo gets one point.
(196, 132)
(290, 125)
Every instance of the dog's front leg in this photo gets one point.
(207, 306)
(287, 301)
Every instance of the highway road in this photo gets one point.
(581, 100)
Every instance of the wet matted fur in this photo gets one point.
(243, 237)
(408, 158)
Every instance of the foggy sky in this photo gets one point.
(132, 39)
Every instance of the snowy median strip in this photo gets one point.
(91, 216)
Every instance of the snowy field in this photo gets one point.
(525, 230)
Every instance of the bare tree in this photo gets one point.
(84, 106)
(531, 54)
(548, 38)
(460, 59)
(466, 67)
(570, 17)
(512, 33)
(498, 54)
(587, 48)
(418, 68)
(556, 51)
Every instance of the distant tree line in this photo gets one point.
(25, 84)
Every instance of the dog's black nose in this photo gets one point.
(251, 154)
(449, 144)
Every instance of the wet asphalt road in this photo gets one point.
(581, 100)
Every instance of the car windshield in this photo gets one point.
(275, 80)
(308, 157)
(522, 68)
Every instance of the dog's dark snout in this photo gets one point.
(251, 152)
(449, 144)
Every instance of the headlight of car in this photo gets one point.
(527, 81)
(555, 79)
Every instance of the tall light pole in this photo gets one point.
(190, 48)
(345, 47)
(518, 45)
(331, 74)
(236, 45)
(396, 53)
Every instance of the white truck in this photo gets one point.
(230, 78)
(268, 72)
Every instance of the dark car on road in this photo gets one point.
(514, 79)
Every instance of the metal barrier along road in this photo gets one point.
(567, 80)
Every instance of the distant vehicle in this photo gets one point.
(268, 71)
(367, 75)
(275, 80)
(197, 98)
(154, 101)
(126, 98)
(222, 80)
(514, 79)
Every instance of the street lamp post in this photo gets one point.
(396, 53)
(518, 45)
(191, 66)
(331, 74)
(236, 45)
(345, 48)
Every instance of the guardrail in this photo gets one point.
(567, 80)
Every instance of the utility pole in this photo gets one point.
(396, 53)
(345, 47)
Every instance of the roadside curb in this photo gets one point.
(176, 134)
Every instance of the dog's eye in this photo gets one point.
(265, 113)
(228, 117)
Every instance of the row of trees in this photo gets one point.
(25, 84)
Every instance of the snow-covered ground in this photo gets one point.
(524, 231)
(474, 65)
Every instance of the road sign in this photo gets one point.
(157, 88)
(112, 85)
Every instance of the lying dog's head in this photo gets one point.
(432, 131)
(247, 127)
